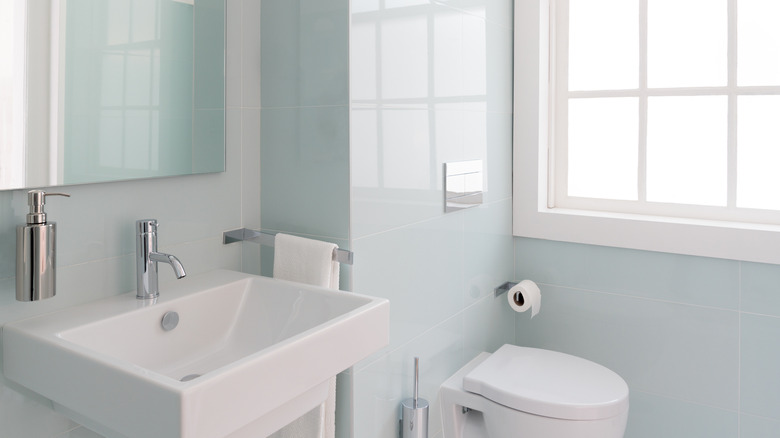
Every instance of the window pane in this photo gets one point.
(758, 152)
(758, 42)
(603, 148)
(687, 150)
(687, 43)
(603, 44)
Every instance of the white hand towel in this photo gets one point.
(305, 261)
(311, 262)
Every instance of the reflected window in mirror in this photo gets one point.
(112, 90)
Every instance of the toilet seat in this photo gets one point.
(549, 384)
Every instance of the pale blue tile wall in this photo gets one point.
(695, 338)
(96, 232)
(430, 82)
(304, 176)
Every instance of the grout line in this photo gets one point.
(429, 219)
(696, 403)
(411, 340)
(657, 300)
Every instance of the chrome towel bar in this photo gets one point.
(342, 256)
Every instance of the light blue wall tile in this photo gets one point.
(397, 157)
(251, 53)
(496, 155)
(678, 278)
(419, 268)
(305, 46)
(488, 248)
(305, 170)
(381, 386)
(209, 54)
(233, 52)
(653, 416)
(208, 134)
(760, 362)
(760, 288)
(79, 432)
(488, 324)
(757, 427)
(674, 350)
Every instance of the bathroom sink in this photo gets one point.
(249, 354)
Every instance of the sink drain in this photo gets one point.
(189, 377)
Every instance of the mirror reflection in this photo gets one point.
(110, 90)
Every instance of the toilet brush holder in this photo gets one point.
(414, 411)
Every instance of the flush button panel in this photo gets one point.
(463, 185)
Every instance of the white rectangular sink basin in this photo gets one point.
(254, 352)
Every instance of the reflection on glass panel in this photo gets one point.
(421, 76)
(404, 57)
(603, 44)
(680, 132)
(758, 152)
(406, 149)
(448, 53)
(474, 57)
(83, 75)
(603, 148)
(391, 4)
(687, 43)
(758, 41)
(140, 53)
(362, 61)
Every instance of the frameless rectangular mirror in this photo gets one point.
(95, 91)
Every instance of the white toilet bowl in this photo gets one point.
(520, 392)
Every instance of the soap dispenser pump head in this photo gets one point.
(36, 200)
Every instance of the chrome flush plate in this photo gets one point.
(463, 185)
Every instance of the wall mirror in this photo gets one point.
(107, 90)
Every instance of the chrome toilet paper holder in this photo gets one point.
(504, 288)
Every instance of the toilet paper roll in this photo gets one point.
(525, 295)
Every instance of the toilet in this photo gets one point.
(533, 393)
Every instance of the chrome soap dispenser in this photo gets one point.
(36, 251)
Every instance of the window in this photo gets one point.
(655, 115)
(655, 127)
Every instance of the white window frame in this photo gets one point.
(534, 215)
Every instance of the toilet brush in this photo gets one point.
(414, 411)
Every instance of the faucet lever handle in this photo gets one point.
(144, 226)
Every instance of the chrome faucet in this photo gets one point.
(147, 257)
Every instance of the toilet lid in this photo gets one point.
(548, 383)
